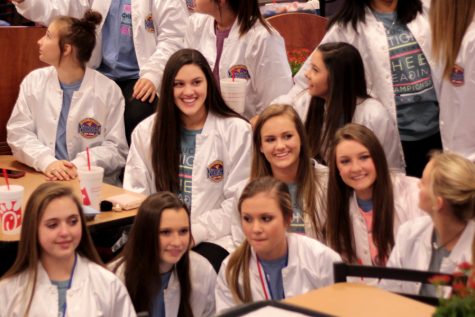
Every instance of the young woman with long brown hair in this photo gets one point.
(281, 150)
(195, 146)
(271, 264)
(57, 271)
(367, 203)
(162, 275)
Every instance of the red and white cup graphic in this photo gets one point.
(234, 93)
(10, 209)
(90, 183)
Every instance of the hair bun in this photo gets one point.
(92, 17)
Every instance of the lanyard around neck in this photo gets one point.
(69, 284)
(259, 268)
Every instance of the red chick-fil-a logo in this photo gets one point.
(10, 215)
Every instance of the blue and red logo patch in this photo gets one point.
(149, 24)
(457, 76)
(239, 71)
(89, 128)
(216, 171)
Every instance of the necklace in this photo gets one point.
(388, 30)
(437, 247)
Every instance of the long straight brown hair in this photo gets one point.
(449, 21)
(238, 264)
(339, 229)
(346, 83)
(29, 249)
(309, 189)
(165, 141)
(141, 255)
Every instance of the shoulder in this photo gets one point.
(403, 182)
(231, 125)
(100, 82)
(40, 75)
(99, 275)
(198, 20)
(145, 126)
(200, 266)
(307, 246)
(371, 108)
(412, 230)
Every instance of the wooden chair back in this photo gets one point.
(19, 56)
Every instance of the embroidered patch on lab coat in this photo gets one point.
(149, 24)
(216, 171)
(457, 76)
(89, 128)
(240, 71)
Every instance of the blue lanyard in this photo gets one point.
(69, 284)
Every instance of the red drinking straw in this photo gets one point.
(233, 74)
(5, 175)
(88, 159)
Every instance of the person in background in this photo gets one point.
(134, 43)
(441, 240)
(453, 47)
(392, 38)
(337, 67)
(271, 264)
(195, 146)
(68, 107)
(238, 42)
(57, 271)
(164, 278)
(367, 203)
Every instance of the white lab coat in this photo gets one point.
(370, 40)
(310, 266)
(368, 112)
(228, 140)
(259, 53)
(203, 280)
(157, 27)
(94, 292)
(413, 250)
(457, 109)
(31, 129)
(406, 201)
(321, 174)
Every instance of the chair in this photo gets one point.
(299, 30)
(19, 56)
(342, 270)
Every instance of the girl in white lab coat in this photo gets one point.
(271, 264)
(453, 47)
(57, 271)
(238, 42)
(162, 275)
(63, 109)
(281, 151)
(393, 40)
(366, 204)
(337, 68)
(443, 239)
(195, 146)
(135, 41)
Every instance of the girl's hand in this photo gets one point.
(144, 89)
(61, 170)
